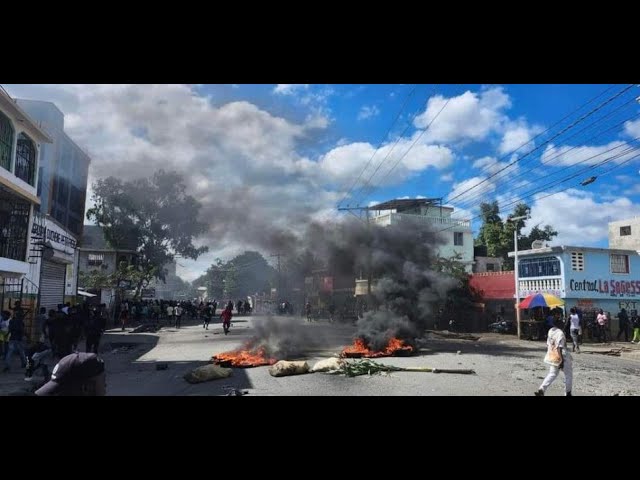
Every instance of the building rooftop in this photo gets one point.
(93, 239)
(405, 204)
(565, 248)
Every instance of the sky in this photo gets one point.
(292, 151)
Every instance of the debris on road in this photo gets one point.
(327, 365)
(369, 367)
(458, 336)
(147, 327)
(207, 373)
(615, 352)
(284, 368)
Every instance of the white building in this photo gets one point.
(456, 233)
(20, 142)
(625, 234)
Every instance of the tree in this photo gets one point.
(245, 274)
(154, 216)
(497, 236)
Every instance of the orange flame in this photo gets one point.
(360, 348)
(245, 358)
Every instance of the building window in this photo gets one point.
(539, 267)
(26, 159)
(491, 267)
(6, 141)
(619, 263)
(624, 231)
(458, 239)
(14, 225)
(577, 261)
(95, 260)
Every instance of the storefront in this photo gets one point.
(53, 259)
(584, 277)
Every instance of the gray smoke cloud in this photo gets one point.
(402, 259)
(283, 338)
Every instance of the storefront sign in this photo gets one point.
(50, 235)
(612, 288)
(526, 293)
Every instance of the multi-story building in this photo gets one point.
(63, 170)
(21, 140)
(96, 254)
(456, 233)
(586, 277)
(625, 234)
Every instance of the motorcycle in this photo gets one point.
(503, 326)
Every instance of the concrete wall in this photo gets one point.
(446, 227)
(627, 242)
(480, 265)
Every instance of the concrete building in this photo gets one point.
(53, 262)
(625, 234)
(63, 169)
(21, 141)
(589, 278)
(96, 254)
(456, 232)
(487, 264)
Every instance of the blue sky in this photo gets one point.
(290, 152)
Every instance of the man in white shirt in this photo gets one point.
(557, 344)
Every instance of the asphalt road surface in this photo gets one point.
(503, 365)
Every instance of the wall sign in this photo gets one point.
(612, 288)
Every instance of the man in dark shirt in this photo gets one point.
(16, 337)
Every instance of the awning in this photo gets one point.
(85, 294)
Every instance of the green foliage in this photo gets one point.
(246, 274)
(497, 236)
(153, 216)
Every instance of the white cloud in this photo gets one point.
(240, 161)
(448, 177)
(587, 155)
(368, 112)
(632, 129)
(491, 165)
(474, 186)
(470, 116)
(289, 88)
(588, 228)
(518, 134)
(345, 162)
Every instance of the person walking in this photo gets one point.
(558, 358)
(623, 320)
(574, 322)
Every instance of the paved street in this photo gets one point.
(504, 366)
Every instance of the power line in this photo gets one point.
(532, 192)
(565, 129)
(507, 155)
(475, 198)
(379, 146)
(371, 187)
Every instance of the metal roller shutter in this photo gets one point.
(52, 284)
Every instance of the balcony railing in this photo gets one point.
(393, 218)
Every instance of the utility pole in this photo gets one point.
(279, 275)
(515, 221)
(369, 253)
